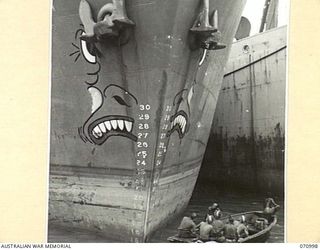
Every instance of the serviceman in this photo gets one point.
(217, 230)
(213, 211)
(270, 207)
(206, 230)
(188, 227)
(230, 231)
(242, 230)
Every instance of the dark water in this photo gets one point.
(203, 197)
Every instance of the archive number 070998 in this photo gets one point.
(308, 245)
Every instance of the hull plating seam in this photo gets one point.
(254, 62)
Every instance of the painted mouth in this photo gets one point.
(179, 123)
(103, 128)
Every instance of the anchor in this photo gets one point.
(206, 34)
(112, 22)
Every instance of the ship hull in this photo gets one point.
(154, 93)
(247, 141)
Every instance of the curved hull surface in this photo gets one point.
(133, 97)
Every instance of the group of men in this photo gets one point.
(214, 229)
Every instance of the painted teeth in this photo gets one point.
(97, 131)
(102, 127)
(120, 124)
(107, 126)
(128, 125)
(95, 135)
(183, 128)
(181, 121)
(114, 124)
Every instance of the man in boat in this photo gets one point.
(213, 212)
(188, 227)
(270, 207)
(217, 230)
(206, 230)
(213, 217)
(242, 230)
(230, 231)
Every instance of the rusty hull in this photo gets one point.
(246, 145)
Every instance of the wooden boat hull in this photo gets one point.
(263, 235)
(126, 182)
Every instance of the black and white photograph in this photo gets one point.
(168, 121)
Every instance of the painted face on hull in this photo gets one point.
(180, 119)
(205, 36)
(110, 104)
(101, 125)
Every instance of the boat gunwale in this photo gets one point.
(265, 230)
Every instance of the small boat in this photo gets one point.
(259, 225)
(256, 234)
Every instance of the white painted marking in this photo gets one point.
(203, 57)
(102, 127)
(183, 128)
(86, 53)
(190, 94)
(120, 124)
(114, 124)
(128, 126)
(97, 131)
(96, 98)
(108, 125)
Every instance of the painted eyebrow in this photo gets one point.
(126, 91)
(178, 94)
(77, 33)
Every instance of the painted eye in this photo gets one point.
(120, 101)
(96, 98)
(190, 94)
(88, 51)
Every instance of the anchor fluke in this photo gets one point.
(205, 29)
(112, 22)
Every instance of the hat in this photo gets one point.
(214, 205)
